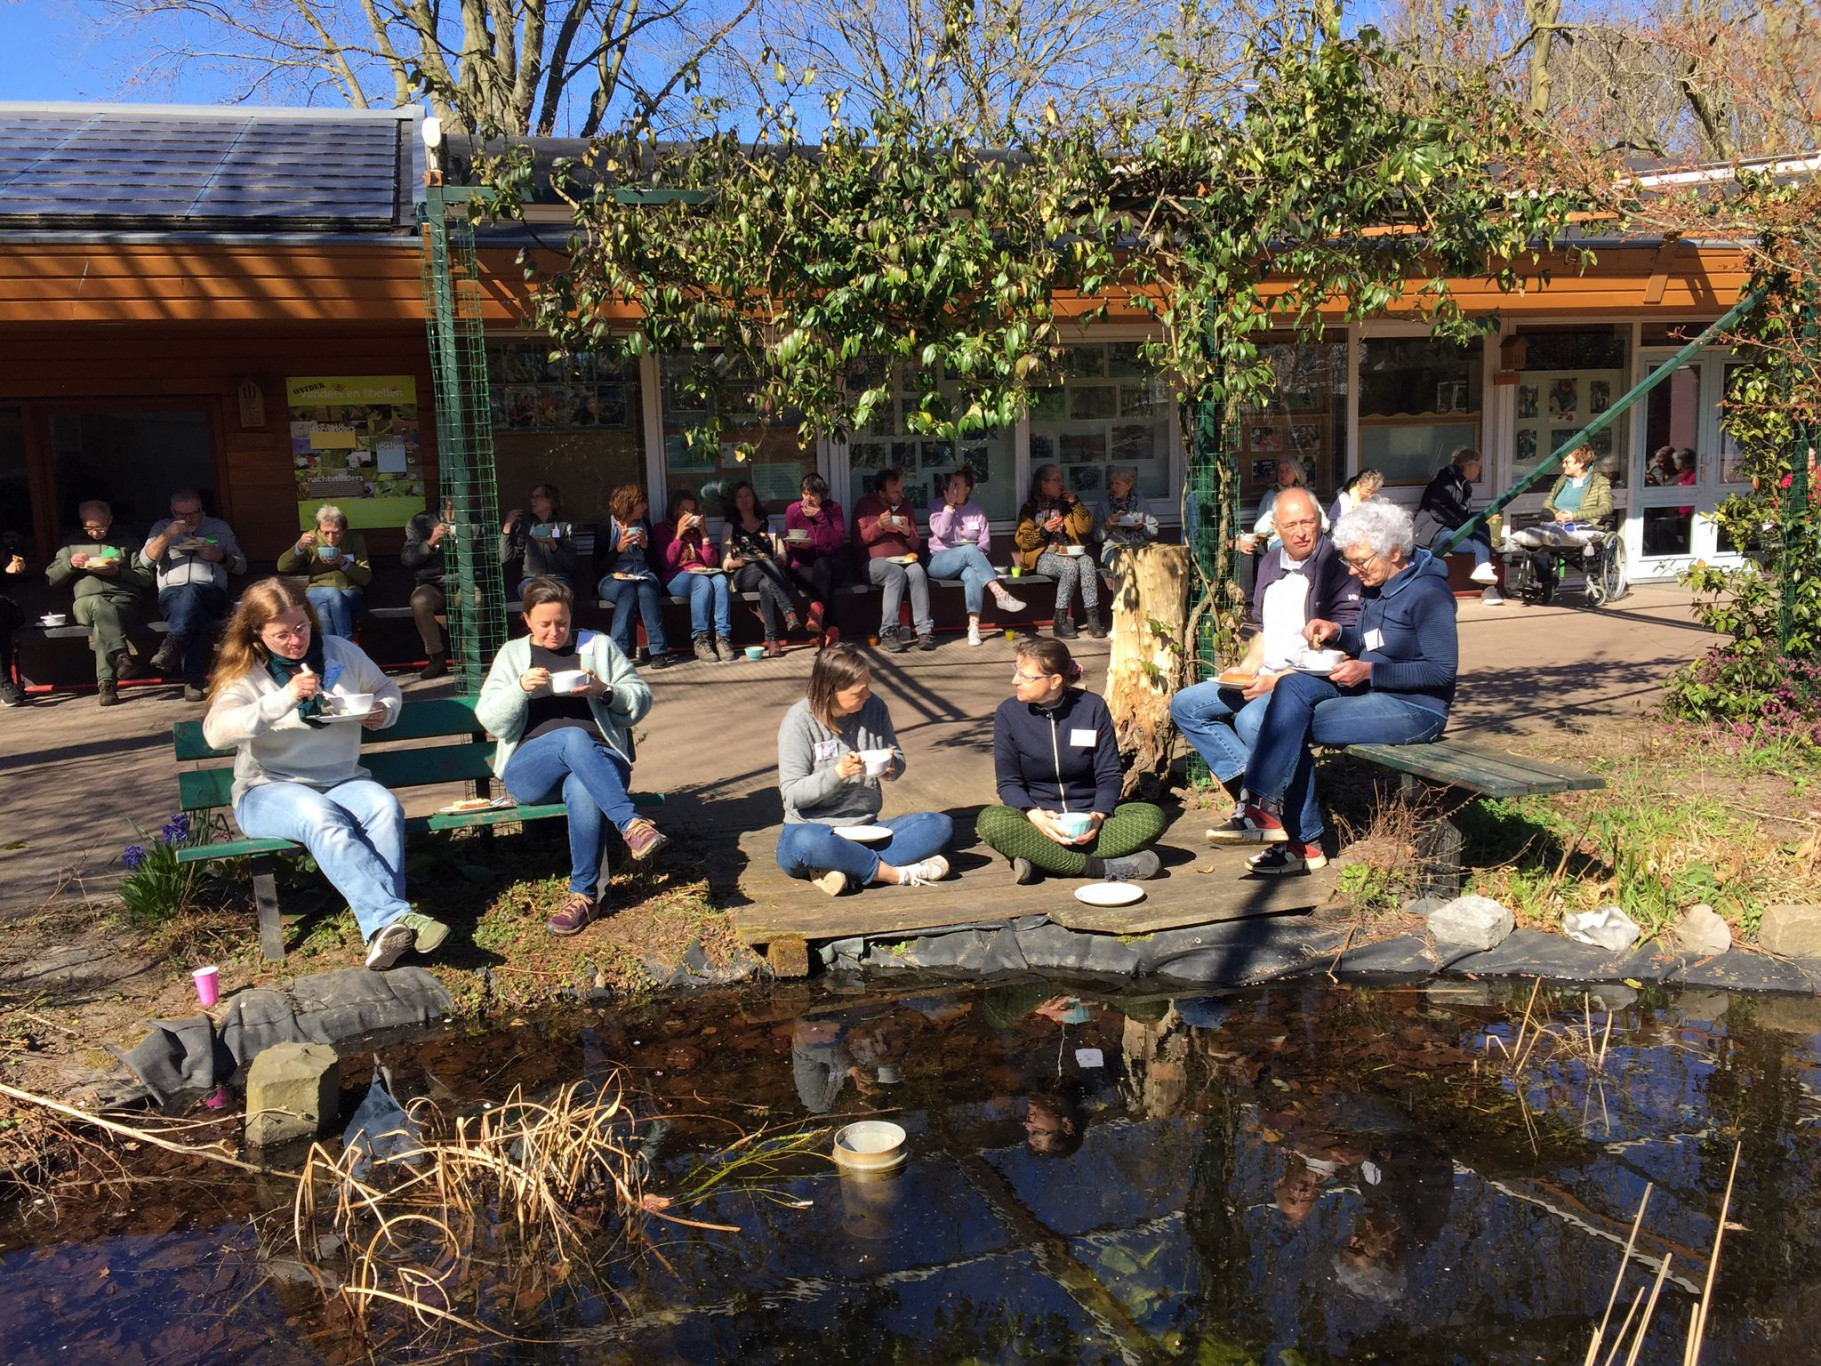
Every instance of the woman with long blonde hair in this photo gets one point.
(292, 703)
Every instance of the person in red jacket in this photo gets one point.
(691, 567)
(886, 525)
(814, 538)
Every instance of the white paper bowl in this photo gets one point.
(352, 703)
(569, 680)
(871, 1145)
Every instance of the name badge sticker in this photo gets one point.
(1375, 640)
(827, 751)
(1083, 737)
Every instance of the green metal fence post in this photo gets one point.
(1797, 515)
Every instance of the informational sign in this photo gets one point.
(356, 443)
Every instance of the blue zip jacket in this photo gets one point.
(1416, 650)
(1039, 758)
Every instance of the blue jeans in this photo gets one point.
(809, 849)
(592, 781)
(355, 832)
(1308, 710)
(623, 594)
(337, 608)
(1220, 724)
(969, 564)
(192, 609)
(1479, 544)
(705, 592)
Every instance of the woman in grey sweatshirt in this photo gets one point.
(834, 749)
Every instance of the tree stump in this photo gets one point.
(1150, 636)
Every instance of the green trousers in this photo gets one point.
(109, 619)
(1131, 827)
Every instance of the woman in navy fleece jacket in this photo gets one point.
(1394, 688)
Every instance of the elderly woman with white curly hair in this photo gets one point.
(1393, 687)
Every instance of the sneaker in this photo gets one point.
(108, 694)
(932, 869)
(167, 657)
(389, 945)
(1007, 603)
(705, 650)
(1250, 825)
(1138, 867)
(834, 883)
(1288, 858)
(1024, 872)
(926, 642)
(643, 839)
(828, 637)
(973, 635)
(428, 934)
(813, 622)
(661, 660)
(11, 694)
(725, 651)
(791, 624)
(125, 666)
(1484, 573)
(1492, 598)
(642, 657)
(572, 916)
(1064, 629)
(436, 668)
(895, 640)
(1095, 629)
(194, 689)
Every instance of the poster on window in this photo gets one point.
(356, 443)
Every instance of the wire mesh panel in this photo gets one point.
(464, 432)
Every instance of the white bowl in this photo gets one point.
(870, 1145)
(53, 619)
(1323, 660)
(1074, 824)
(352, 703)
(1074, 550)
(569, 680)
(877, 761)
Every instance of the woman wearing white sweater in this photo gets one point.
(281, 699)
(562, 707)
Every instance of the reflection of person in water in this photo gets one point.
(866, 1046)
(1060, 1071)
(1056, 1119)
(1406, 1186)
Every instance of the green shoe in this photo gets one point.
(430, 933)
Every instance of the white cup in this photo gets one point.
(569, 680)
(1321, 659)
(877, 761)
(352, 703)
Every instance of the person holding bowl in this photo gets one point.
(542, 545)
(562, 706)
(835, 748)
(960, 543)
(278, 683)
(691, 564)
(1394, 688)
(1056, 764)
(334, 561)
(1051, 537)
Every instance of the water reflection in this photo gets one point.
(1296, 1174)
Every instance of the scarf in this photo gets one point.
(284, 670)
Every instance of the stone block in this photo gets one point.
(1699, 932)
(1471, 922)
(788, 956)
(1791, 931)
(293, 1092)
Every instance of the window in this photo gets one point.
(1419, 402)
(927, 461)
(572, 420)
(694, 391)
(1111, 410)
(131, 461)
(15, 485)
(1567, 377)
(1305, 419)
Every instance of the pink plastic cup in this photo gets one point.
(208, 985)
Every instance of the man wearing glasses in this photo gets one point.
(1302, 579)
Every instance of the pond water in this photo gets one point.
(1294, 1175)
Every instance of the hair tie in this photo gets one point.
(1074, 669)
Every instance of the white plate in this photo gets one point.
(341, 716)
(1319, 670)
(865, 834)
(1109, 894)
(456, 809)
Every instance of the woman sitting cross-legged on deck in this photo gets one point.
(1056, 761)
(1395, 689)
(574, 745)
(834, 749)
(296, 777)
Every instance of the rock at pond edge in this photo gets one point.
(1791, 931)
(293, 1091)
(1699, 932)
(1471, 922)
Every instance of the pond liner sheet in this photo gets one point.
(1269, 948)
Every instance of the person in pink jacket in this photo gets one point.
(692, 570)
(885, 524)
(815, 538)
(959, 542)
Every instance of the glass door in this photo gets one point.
(1684, 466)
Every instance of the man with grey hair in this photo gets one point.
(333, 562)
(112, 592)
(192, 555)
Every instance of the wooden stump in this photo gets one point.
(1150, 636)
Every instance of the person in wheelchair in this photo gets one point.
(1578, 513)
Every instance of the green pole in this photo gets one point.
(1797, 515)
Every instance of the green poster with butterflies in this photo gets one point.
(356, 443)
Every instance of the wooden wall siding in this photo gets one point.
(111, 367)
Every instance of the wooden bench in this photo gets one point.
(464, 756)
(1446, 763)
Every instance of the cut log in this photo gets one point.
(1150, 636)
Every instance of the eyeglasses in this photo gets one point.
(280, 633)
(1023, 677)
(1358, 566)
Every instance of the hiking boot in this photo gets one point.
(167, 657)
(107, 694)
(926, 642)
(1251, 824)
(389, 945)
(195, 689)
(724, 650)
(704, 646)
(1024, 872)
(932, 869)
(428, 934)
(1064, 629)
(11, 694)
(1137, 867)
(833, 883)
(643, 839)
(1094, 628)
(572, 916)
(1288, 858)
(895, 640)
(436, 668)
(125, 665)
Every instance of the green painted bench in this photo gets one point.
(465, 756)
(1447, 763)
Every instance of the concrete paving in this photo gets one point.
(77, 776)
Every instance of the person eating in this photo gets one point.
(692, 563)
(960, 540)
(333, 560)
(886, 527)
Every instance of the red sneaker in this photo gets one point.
(813, 622)
(572, 916)
(643, 839)
(1250, 824)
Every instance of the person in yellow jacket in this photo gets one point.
(1054, 527)
(334, 561)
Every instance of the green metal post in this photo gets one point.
(1796, 516)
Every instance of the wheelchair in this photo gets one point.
(1600, 562)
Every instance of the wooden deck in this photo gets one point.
(1199, 887)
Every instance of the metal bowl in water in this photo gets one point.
(871, 1145)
